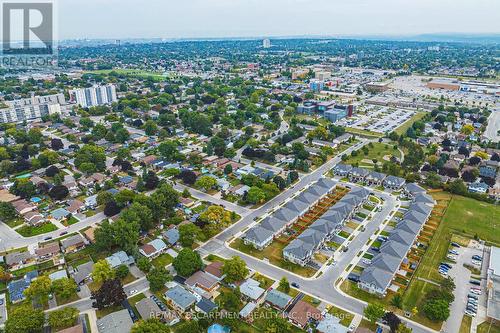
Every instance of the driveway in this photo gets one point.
(136, 272)
(84, 291)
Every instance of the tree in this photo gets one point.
(284, 285)
(104, 197)
(228, 169)
(91, 154)
(39, 289)
(121, 271)
(293, 176)
(152, 325)
(277, 324)
(64, 288)
(122, 135)
(102, 271)
(187, 176)
(191, 326)
(23, 188)
(157, 278)
(392, 320)
(373, 312)
(111, 208)
(150, 127)
(125, 234)
(457, 187)
(437, 310)
(151, 180)
(235, 269)
(63, 318)
(51, 171)
(25, 319)
(56, 144)
(163, 201)
(110, 294)
(206, 182)
(216, 214)
(7, 211)
(231, 300)
(397, 301)
(144, 264)
(188, 233)
(58, 192)
(403, 329)
(255, 195)
(187, 262)
(280, 182)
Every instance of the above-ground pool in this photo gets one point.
(217, 328)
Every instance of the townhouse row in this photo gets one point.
(371, 178)
(301, 250)
(392, 258)
(261, 235)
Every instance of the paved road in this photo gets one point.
(493, 126)
(10, 239)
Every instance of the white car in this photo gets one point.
(133, 291)
(469, 313)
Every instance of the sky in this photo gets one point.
(262, 18)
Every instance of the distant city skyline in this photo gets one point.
(122, 19)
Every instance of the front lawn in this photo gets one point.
(162, 260)
(29, 231)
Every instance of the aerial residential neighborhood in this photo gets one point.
(254, 182)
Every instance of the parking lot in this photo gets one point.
(379, 119)
(462, 276)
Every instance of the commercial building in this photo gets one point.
(443, 84)
(94, 96)
(329, 110)
(266, 43)
(493, 286)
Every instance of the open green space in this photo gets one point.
(416, 117)
(378, 151)
(129, 72)
(274, 254)
(488, 327)
(29, 231)
(465, 325)
(162, 260)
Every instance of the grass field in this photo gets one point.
(378, 151)
(488, 327)
(130, 72)
(361, 132)
(403, 128)
(162, 260)
(274, 254)
(28, 231)
(466, 323)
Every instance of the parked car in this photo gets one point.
(455, 244)
(475, 282)
(446, 265)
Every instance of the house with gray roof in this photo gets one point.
(424, 198)
(331, 324)
(412, 189)
(277, 299)
(375, 178)
(251, 290)
(116, 322)
(387, 262)
(375, 280)
(83, 272)
(258, 237)
(180, 299)
(120, 258)
(394, 183)
(342, 170)
(358, 174)
(415, 216)
(298, 252)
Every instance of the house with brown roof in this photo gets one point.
(89, 234)
(73, 329)
(302, 313)
(15, 260)
(34, 218)
(6, 196)
(75, 206)
(148, 160)
(202, 280)
(47, 251)
(215, 269)
(73, 243)
(22, 206)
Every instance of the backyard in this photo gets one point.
(379, 152)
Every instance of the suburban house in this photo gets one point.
(59, 214)
(120, 258)
(83, 273)
(16, 288)
(251, 290)
(115, 322)
(153, 249)
(72, 243)
(277, 299)
(375, 178)
(48, 251)
(148, 309)
(202, 280)
(331, 324)
(303, 313)
(205, 306)
(180, 299)
(215, 269)
(16, 260)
